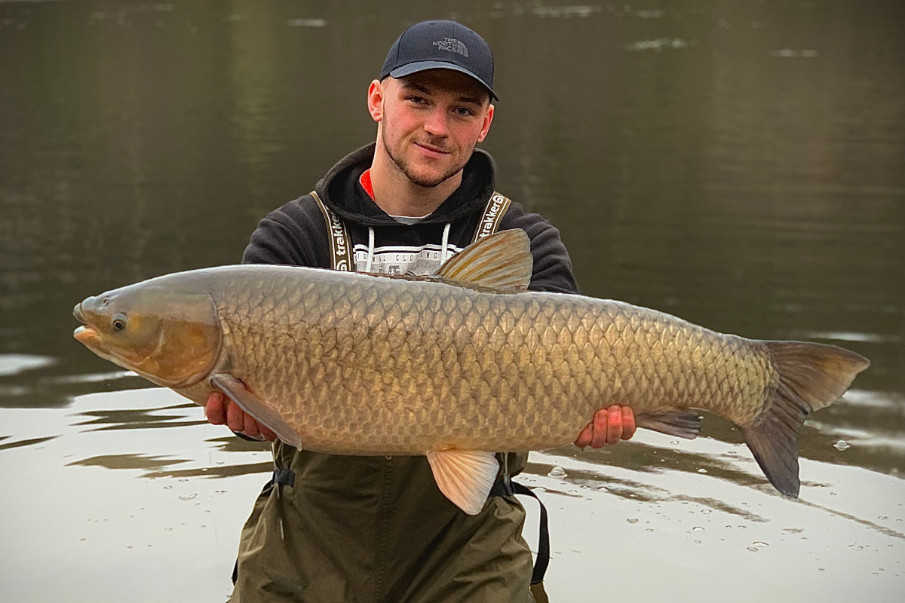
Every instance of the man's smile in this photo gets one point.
(431, 150)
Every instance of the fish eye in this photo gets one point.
(119, 322)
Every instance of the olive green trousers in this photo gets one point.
(366, 529)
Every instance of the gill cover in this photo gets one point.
(172, 338)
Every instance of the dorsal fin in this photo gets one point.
(501, 262)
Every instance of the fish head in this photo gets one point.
(170, 337)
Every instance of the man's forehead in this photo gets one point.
(447, 80)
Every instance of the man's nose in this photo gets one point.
(437, 123)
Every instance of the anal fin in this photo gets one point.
(674, 422)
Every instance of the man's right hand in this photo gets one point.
(219, 410)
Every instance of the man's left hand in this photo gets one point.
(608, 426)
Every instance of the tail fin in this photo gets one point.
(811, 376)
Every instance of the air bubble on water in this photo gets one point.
(841, 445)
(697, 529)
(188, 496)
(557, 472)
(757, 545)
(702, 470)
(632, 520)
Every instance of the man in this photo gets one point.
(333, 528)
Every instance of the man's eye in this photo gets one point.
(464, 112)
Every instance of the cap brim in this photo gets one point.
(420, 66)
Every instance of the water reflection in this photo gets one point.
(4, 445)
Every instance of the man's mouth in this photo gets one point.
(432, 150)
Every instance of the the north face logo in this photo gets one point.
(452, 45)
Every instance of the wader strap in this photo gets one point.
(340, 243)
(283, 477)
(505, 486)
(493, 214)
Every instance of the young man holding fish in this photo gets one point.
(343, 528)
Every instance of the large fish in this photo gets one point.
(454, 366)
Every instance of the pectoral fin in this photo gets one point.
(464, 476)
(253, 405)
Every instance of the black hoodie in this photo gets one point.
(296, 233)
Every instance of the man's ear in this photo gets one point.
(375, 100)
(485, 127)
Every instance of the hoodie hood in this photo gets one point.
(340, 190)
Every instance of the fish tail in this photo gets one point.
(811, 376)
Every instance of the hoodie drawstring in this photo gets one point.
(370, 249)
(444, 245)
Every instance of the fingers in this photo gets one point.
(235, 417)
(609, 426)
(613, 425)
(628, 423)
(215, 409)
(268, 435)
(221, 411)
(585, 437)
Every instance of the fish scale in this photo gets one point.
(469, 360)
(455, 366)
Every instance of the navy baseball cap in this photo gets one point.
(440, 45)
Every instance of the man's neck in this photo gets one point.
(395, 194)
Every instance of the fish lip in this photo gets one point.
(79, 314)
(85, 333)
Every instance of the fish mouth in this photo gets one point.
(85, 334)
(79, 315)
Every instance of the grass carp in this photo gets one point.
(455, 366)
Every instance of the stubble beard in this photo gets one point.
(410, 173)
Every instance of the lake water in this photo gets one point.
(741, 165)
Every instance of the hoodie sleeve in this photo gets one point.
(552, 265)
(295, 235)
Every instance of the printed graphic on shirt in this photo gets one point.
(400, 259)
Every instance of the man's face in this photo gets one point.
(430, 122)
